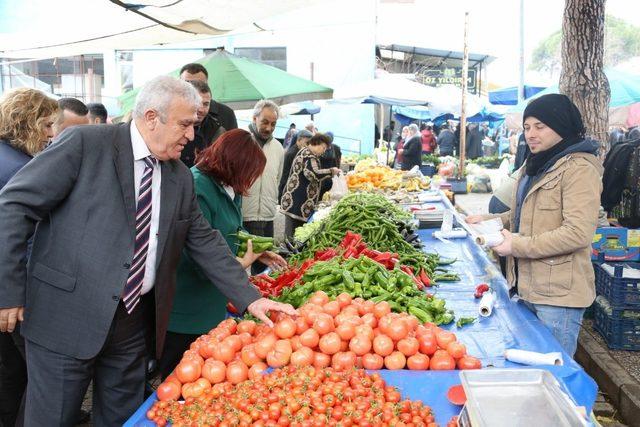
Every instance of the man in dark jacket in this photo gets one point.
(412, 149)
(220, 118)
(446, 140)
(474, 142)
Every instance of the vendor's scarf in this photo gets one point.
(262, 141)
(560, 114)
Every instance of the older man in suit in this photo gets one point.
(114, 208)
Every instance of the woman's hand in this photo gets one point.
(272, 260)
(504, 248)
(474, 219)
(335, 171)
(249, 257)
(259, 309)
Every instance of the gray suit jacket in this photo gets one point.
(80, 193)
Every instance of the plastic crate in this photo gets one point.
(621, 292)
(618, 332)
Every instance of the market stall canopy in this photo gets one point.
(509, 95)
(240, 82)
(448, 99)
(387, 90)
(100, 25)
(417, 112)
(625, 95)
(303, 108)
(485, 115)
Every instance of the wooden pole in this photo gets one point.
(463, 115)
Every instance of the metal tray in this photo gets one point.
(517, 398)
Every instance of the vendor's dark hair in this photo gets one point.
(235, 159)
(194, 68)
(320, 138)
(74, 105)
(200, 86)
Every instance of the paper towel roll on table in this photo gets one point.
(486, 304)
(533, 358)
(491, 239)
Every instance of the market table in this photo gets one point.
(511, 325)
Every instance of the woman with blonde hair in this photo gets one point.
(26, 119)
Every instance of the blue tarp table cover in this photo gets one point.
(511, 325)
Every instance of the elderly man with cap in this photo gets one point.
(553, 217)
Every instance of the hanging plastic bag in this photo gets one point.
(339, 187)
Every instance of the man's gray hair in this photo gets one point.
(265, 103)
(158, 93)
(413, 128)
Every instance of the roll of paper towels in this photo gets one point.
(486, 304)
(491, 239)
(533, 358)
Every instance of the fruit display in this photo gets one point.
(295, 396)
(383, 177)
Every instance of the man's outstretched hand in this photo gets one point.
(259, 309)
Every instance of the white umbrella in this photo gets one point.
(387, 90)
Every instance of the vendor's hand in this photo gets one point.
(272, 260)
(259, 309)
(249, 257)
(335, 171)
(504, 248)
(473, 219)
(9, 317)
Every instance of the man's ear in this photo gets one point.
(151, 119)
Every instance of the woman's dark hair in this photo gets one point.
(320, 138)
(235, 159)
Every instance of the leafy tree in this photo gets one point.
(621, 42)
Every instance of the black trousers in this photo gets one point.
(13, 378)
(58, 383)
(175, 345)
(259, 228)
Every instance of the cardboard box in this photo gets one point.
(617, 243)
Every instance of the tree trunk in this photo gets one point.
(582, 78)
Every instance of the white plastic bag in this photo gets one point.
(339, 187)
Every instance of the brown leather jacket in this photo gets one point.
(558, 219)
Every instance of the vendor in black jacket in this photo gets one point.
(219, 119)
(412, 149)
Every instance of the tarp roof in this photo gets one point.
(98, 25)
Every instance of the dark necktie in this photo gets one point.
(133, 288)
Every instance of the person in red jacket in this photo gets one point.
(428, 139)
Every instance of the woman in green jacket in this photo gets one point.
(223, 173)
